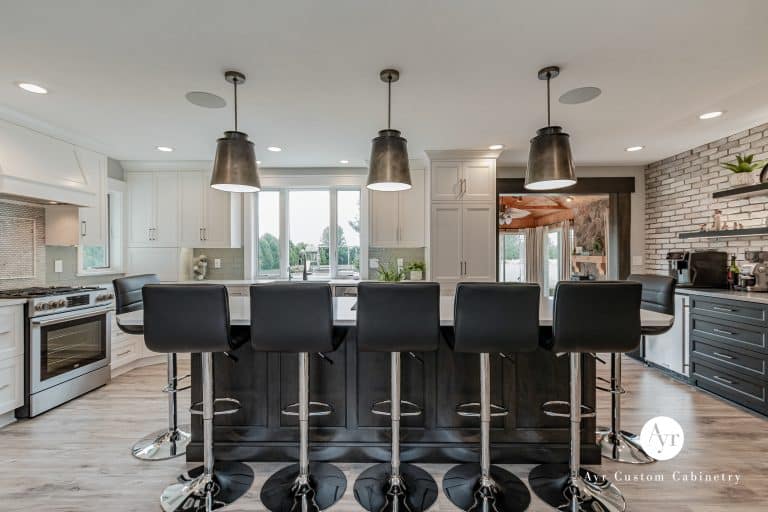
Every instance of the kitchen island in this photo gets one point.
(352, 381)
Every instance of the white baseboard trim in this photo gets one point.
(7, 418)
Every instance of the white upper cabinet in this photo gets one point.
(153, 209)
(397, 218)
(209, 217)
(93, 219)
(468, 180)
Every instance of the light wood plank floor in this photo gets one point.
(76, 458)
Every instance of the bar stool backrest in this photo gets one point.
(292, 317)
(128, 292)
(398, 317)
(186, 318)
(658, 292)
(597, 316)
(496, 317)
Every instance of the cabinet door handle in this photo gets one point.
(724, 356)
(200, 234)
(83, 228)
(719, 308)
(205, 233)
(717, 377)
(463, 186)
(149, 233)
(120, 354)
(720, 331)
(4, 386)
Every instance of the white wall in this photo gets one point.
(637, 226)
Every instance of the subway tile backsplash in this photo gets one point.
(231, 263)
(21, 254)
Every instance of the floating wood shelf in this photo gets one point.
(761, 189)
(578, 259)
(726, 233)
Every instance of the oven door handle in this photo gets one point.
(65, 318)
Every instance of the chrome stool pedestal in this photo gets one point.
(616, 444)
(304, 487)
(571, 487)
(170, 442)
(483, 487)
(394, 486)
(212, 485)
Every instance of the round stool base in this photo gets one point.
(375, 493)
(507, 493)
(623, 447)
(163, 444)
(282, 493)
(197, 493)
(552, 483)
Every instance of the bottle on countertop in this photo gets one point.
(733, 272)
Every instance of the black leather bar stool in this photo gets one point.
(502, 318)
(172, 441)
(588, 317)
(195, 319)
(298, 318)
(395, 318)
(615, 443)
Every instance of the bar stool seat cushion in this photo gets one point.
(658, 295)
(398, 317)
(496, 317)
(191, 318)
(579, 303)
(305, 325)
(128, 297)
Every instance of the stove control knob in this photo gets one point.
(38, 307)
(61, 303)
(45, 305)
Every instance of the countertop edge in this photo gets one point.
(756, 297)
(12, 302)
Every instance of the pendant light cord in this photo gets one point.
(549, 121)
(389, 100)
(234, 83)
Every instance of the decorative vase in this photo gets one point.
(417, 275)
(743, 179)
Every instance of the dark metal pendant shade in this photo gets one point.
(550, 163)
(235, 168)
(389, 170)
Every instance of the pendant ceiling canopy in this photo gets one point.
(389, 170)
(234, 167)
(550, 162)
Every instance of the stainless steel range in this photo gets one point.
(67, 344)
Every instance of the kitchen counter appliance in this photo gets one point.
(66, 344)
(699, 269)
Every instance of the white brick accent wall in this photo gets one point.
(678, 197)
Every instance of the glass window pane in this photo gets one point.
(269, 233)
(94, 256)
(348, 233)
(309, 214)
(512, 260)
(553, 261)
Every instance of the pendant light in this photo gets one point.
(235, 168)
(550, 163)
(389, 170)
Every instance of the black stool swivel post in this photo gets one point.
(195, 319)
(491, 317)
(588, 317)
(298, 318)
(395, 318)
(170, 442)
(617, 444)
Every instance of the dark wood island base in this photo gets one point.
(352, 381)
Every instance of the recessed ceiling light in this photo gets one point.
(205, 99)
(632, 149)
(494, 147)
(569, 199)
(33, 88)
(343, 161)
(711, 115)
(580, 95)
(274, 149)
(164, 149)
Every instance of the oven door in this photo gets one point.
(66, 345)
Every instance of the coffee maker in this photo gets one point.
(699, 269)
(754, 273)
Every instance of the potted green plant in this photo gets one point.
(742, 169)
(416, 270)
(390, 273)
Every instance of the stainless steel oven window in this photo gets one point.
(70, 345)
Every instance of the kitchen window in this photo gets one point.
(106, 257)
(318, 227)
(512, 257)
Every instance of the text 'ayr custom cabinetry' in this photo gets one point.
(729, 349)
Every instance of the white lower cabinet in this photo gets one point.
(11, 384)
(11, 357)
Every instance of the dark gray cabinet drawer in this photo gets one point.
(719, 353)
(716, 379)
(738, 311)
(739, 334)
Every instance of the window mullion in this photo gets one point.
(333, 228)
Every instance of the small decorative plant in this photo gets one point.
(391, 273)
(416, 270)
(743, 164)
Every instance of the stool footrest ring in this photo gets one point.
(197, 408)
(590, 411)
(168, 389)
(323, 409)
(415, 410)
(472, 410)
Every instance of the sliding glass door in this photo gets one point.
(511, 257)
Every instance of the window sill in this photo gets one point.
(100, 272)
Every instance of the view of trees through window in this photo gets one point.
(512, 258)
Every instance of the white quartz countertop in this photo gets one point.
(247, 282)
(758, 297)
(12, 302)
(345, 316)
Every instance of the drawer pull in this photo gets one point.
(720, 308)
(720, 331)
(717, 377)
(718, 354)
(4, 386)
(120, 354)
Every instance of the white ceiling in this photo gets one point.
(118, 71)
